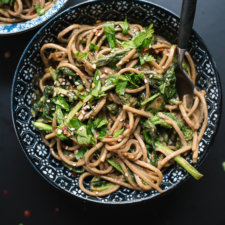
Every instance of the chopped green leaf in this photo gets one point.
(40, 11)
(61, 102)
(139, 39)
(125, 26)
(82, 136)
(93, 47)
(81, 153)
(82, 55)
(146, 58)
(118, 133)
(109, 30)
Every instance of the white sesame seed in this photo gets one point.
(72, 128)
(121, 120)
(126, 174)
(59, 131)
(146, 81)
(97, 78)
(48, 100)
(70, 77)
(66, 147)
(63, 83)
(74, 164)
(82, 111)
(119, 140)
(163, 67)
(77, 83)
(62, 95)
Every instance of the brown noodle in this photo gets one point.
(146, 175)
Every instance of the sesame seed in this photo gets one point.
(59, 131)
(119, 140)
(62, 95)
(70, 77)
(77, 83)
(126, 174)
(121, 120)
(146, 81)
(48, 100)
(97, 78)
(163, 67)
(72, 128)
(74, 164)
(66, 147)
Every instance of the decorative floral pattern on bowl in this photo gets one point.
(165, 24)
(14, 28)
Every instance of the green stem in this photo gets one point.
(78, 106)
(150, 99)
(43, 126)
(181, 161)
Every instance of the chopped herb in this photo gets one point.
(125, 26)
(93, 47)
(118, 133)
(40, 11)
(109, 30)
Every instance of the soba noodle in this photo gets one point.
(107, 107)
(13, 11)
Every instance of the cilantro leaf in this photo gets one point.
(81, 152)
(139, 39)
(61, 102)
(146, 58)
(40, 11)
(125, 26)
(121, 87)
(118, 133)
(82, 55)
(93, 47)
(82, 136)
(99, 122)
(109, 30)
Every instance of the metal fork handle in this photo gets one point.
(186, 22)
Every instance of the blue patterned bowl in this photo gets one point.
(166, 24)
(14, 28)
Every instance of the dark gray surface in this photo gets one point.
(194, 202)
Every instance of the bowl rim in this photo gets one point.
(57, 7)
(136, 201)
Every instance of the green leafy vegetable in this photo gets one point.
(59, 115)
(40, 11)
(181, 161)
(145, 58)
(66, 71)
(81, 152)
(116, 165)
(83, 138)
(53, 73)
(61, 102)
(109, 30)
(43, 126)
(113, 108)
(139, 39)
(118, 133)
(82, 55)
(96, 91)
(10, 2)
(125, 26)
(93, 47)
